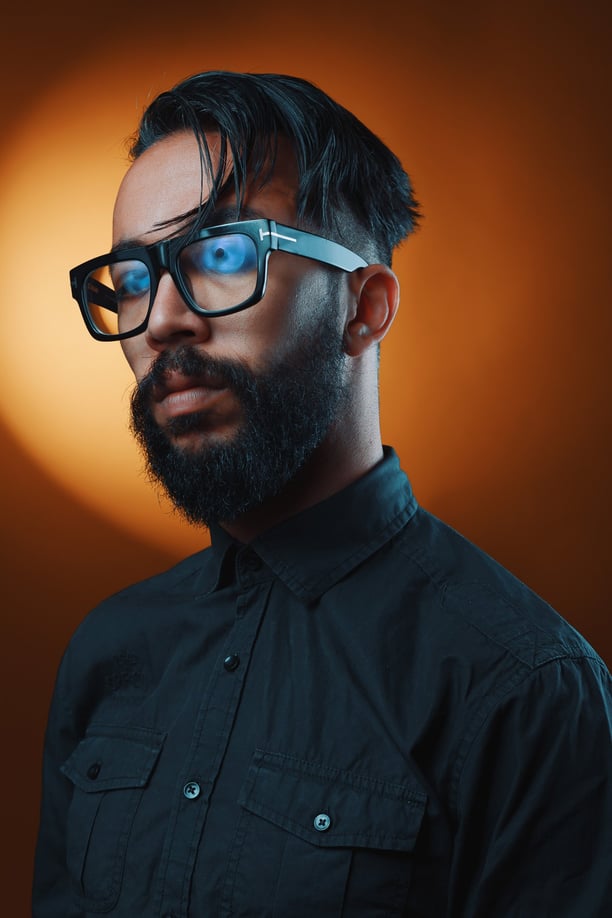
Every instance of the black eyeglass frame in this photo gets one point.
(268, 236)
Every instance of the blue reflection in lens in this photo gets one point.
(133, 283)
(233, 254)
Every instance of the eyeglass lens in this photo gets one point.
(219, 272)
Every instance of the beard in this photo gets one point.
(287, 410)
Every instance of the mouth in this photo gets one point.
(179, 394)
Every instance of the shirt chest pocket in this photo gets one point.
(109, 770)
(321, 841)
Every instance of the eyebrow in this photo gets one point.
(218, 217)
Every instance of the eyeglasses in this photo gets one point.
(218, 270)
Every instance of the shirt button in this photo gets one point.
(94, 770)
(232, 662)
(322, 822)
(191, 790)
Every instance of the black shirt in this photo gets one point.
(358, 714)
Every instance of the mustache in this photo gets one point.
(188, 361)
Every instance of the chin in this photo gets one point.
(199, 441)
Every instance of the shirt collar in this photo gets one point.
(313, 550)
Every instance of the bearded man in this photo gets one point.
(342, 707)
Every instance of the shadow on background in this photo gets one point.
(495, 381)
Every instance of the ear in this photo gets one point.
(375, 290)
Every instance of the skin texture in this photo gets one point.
(165, 182)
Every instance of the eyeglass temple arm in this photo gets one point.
(289, 239)
(101, 295)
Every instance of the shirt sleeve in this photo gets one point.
(52, 895)
(535, 800)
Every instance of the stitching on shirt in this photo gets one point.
(484, 713)
(131, 732)
(322, 774)
(555, 650)
(449, 588)
(488, 703)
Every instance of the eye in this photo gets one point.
(130, 279)
(232, 254)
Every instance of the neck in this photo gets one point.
(333, 466)
(351, 448)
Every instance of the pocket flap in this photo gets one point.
(330, 807)
(113, 757)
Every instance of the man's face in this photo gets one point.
(229, 408)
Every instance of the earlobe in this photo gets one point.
(376, 292)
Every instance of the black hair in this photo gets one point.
(342, 166)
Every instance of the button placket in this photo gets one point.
(249, 567)
(251, 561)
(211, 734)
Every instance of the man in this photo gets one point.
(342, 708)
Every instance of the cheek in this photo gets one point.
(265, 330)
(295, 303)
(137, 355)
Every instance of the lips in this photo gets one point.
(174, 382)
(179, 394)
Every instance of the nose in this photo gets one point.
(171, 321)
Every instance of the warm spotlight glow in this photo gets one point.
(481, 285)
(65, 395)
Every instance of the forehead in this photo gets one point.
(169, 180)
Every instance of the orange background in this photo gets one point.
(496, 377)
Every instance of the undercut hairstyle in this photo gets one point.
(351, 186)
